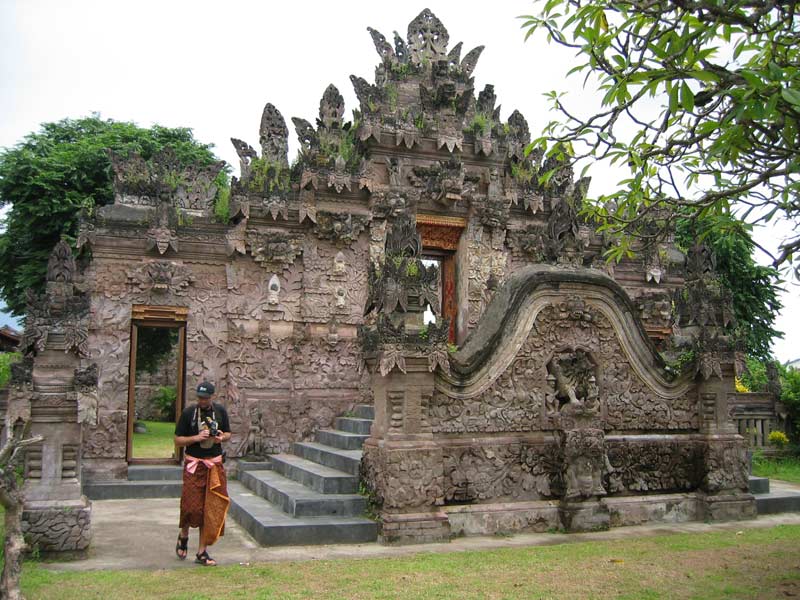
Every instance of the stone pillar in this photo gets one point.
(725, 487)
(402, 466)
(56, 516)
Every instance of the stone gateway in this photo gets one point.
(417, 259)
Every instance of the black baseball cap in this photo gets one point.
(205, 389)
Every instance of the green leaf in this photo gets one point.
(791, 96)
(687, 97)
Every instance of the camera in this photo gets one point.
(213, 427)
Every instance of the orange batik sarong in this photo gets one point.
(204, 498)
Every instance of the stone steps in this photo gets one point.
(309, 496)
(340, 439)
(319, 478)
(780, 498)
(364, 411)
(348, 461)
(155, 473)
(270, 526)
(122, 490)
(297, 500)
(354, 425)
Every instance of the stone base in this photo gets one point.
(104, 469)
(58, 526)
(666, 508)
(511, 517)
(730, 507)
(584, 516)
(550, 515)
(414, 528)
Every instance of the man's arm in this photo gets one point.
(187, 440)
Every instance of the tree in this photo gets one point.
(701, 102)
(12, 454)
(752, 289)
(54, 174)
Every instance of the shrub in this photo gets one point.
(778, 439)
(6, 359)
(164, 399)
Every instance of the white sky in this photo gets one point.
(212, 66)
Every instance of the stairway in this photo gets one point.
(309, 496)
(144, 481)
(774, 497)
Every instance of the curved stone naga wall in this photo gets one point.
(548, 329)
(560, 351)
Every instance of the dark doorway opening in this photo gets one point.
(155, 389)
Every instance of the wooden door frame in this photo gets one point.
(441, 237)
(166, 317)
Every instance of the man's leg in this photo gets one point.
(202, 548)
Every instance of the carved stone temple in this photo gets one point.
(540, 396)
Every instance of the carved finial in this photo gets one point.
(427, 37)
(273, 135)
(403, 239)
(61, 265)
(486, 101)
(519, 135)
(331, 108)
(381, 45)
(305, 133)
(400, 49)
(454, 58)
(470, 61)
(246, 156)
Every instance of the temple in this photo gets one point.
(415, 267)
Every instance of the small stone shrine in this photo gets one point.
(539, 398)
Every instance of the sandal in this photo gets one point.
(182, 546)
(204, 559)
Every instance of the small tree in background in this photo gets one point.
(53, 174)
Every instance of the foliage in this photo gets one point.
(222, 208)
(778, 438)
(54, 173)
(6, 359)
(754, 293)
(268, 176)
(165, 398)
(754, 377)
(782, 468)
(153, 346)
(724, 139)
(521, 172)
(481, 124)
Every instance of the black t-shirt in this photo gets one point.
(189, 424)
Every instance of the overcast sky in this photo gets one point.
(212, 66)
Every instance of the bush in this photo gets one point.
(6, 360)
(778, 439)
(165, 399)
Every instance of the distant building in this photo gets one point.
(793, 364)
(9, 339)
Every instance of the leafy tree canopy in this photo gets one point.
(52, 174)
(701, 103)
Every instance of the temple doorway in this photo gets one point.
(156, 386)
(440, 238)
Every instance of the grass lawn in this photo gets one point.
(158, 442)
(753, 563)
(785, 469)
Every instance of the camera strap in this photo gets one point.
(197, 414)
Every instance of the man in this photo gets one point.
(201, 429)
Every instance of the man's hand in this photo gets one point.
(203, 435)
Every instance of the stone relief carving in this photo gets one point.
(585, 459)
(402, 479)
(86, 386)
(538, 382)
(161, 278)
